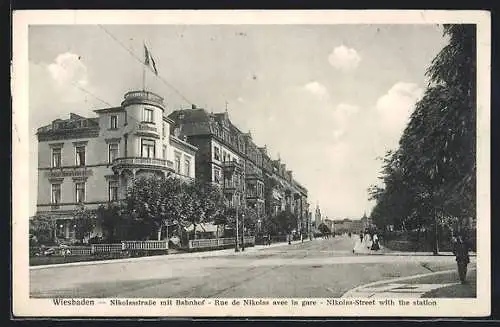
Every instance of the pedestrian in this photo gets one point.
(375, 243)
(361, 237)
(454, 244)
(367, 240)
(462, 257)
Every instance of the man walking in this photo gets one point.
(462, 257)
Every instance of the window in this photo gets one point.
(217, 175)
(56, 193)
(148, 115)
(216, 153)
(147, 148)
(113, 190)
(164, 130)
(112, 152)
(80, 192)
(187, 167)
(56, 158)
(113, 122)
(224, 156)
(178, 162)
(164, 152)
(80, 155)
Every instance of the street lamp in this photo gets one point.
(236, 248)
(243, 232)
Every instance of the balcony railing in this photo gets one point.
(146, 127)
(141, 161)
(136, 97)
(232, 166)
(143, 95)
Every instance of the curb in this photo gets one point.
(204, 254)
(399, 279)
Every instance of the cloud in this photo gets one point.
(343, 113)
(344, 58)
(240, 100)
(395, 107)
(317, 89)
(68, 68)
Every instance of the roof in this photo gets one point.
(192, 121)
(112, 109)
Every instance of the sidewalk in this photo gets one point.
(199, 254)
(441, 284)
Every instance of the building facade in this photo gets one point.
(91, 161)
(249, 177)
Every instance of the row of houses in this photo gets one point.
(92, 161)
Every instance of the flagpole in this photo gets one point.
(143, 77)
(144, 68)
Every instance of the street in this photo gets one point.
(317, 268)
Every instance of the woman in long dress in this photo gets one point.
(367, 242)
(359, 246)
(375, 245)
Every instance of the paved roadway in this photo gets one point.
(318, 268)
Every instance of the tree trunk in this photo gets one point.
(435, 249)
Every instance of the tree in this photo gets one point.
(323, 228)
(111, 220)
(202, 202)
(431, 177)
(285, 221)
(43, 228)
(85, 222)
(250, 219)
(155, 201)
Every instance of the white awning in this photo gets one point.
(203, 227)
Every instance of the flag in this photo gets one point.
(149, 61)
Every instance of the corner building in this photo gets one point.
(91, 161)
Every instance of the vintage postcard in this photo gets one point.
(251, 163)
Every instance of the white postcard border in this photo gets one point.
(24, 306)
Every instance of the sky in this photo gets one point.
(329, 100)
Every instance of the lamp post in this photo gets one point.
(243, 232)
(236, 247)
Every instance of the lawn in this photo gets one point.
(467, 290)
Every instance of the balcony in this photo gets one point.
(254, 175)
(147, 129)
(231, 167)
(139, 163)
(142, 97)
(231, 187)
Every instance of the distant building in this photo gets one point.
(342, 225)
(317, 217)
